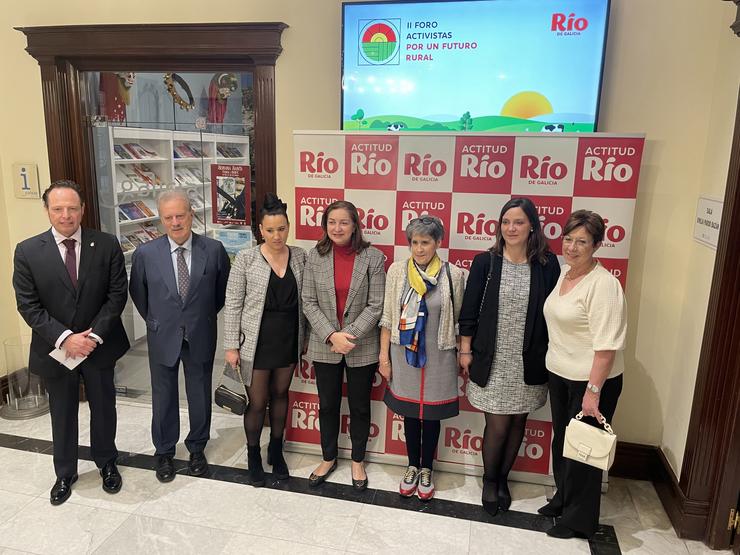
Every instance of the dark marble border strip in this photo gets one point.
(603, 543)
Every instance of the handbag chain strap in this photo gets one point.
(603, 422)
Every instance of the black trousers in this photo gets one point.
(166, 403)
(578, 484)
(329, 384)
(64, 406)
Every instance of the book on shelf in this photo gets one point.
(187, 150)
(121, 153)
(151, 229)
(229, 151)
(143, 236)
(146, 174)
(139, 152)
(130, 180)
(184, 176)
(122, 217)
(132, 211)
(135, 241)
(126, 245)
(198, 225)
(196, 201)
(199, 175)
(145, 208)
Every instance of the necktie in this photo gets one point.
(183, 276)
(70, 260)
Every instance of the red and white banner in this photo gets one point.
(464, 179)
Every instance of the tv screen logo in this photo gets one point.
(568, 24)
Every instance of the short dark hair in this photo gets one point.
(62, 184)
(357, 243)
(592, 222)
(537, 247)
(273, 206)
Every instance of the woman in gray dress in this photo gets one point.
(423, 296)
(503, 339)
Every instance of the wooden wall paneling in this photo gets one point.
(713, 429)
(265, 137)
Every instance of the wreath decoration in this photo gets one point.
(169, 80)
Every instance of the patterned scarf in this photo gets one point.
(414, 310)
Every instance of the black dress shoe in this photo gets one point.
(62, 490)
(111, 478)
(198, 465)
(359, 485)
(550, 510)
(562, 532)
(165, 469)
(316, 480)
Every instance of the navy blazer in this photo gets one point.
(50, 304)
(169, 319)
(479, 316)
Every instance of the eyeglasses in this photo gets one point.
(425, 220)
(578, 244)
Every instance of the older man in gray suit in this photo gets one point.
(178, 284)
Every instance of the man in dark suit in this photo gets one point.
(178, 283)
(70, 287)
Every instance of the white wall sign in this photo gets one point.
(708, 218)
(26, 181)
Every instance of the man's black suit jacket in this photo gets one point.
(50, 304)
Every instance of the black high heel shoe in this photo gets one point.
(254, 464)
(489, 498)
(504, 495)
(275, 458)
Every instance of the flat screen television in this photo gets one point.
(473, 65)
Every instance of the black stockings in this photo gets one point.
(501, 441)
(422, 437)
(269, 387)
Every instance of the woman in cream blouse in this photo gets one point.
(587, 323)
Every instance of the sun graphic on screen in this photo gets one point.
(526, 105)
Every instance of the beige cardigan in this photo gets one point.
(396, 285)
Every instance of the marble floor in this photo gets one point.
(196, 515)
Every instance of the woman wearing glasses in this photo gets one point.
(587, 321)
(343, 289)
(504, 340)
(423, 296)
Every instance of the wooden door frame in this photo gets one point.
(698, 503)
(64, 52)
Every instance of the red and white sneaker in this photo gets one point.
(409, 482)
(425, 490)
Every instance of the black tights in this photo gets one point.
(422, 437)
(269, 387)
(501, 441)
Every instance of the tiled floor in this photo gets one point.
(193, 515)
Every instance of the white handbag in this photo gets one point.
(589, 444)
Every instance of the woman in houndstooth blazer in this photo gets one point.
(343, 289)
(264, 332)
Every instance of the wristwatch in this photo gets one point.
(595, 389)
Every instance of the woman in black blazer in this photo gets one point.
(504, 339)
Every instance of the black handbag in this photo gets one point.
(227, 398)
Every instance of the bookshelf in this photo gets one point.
(134, 165)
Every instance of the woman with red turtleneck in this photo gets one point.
(343, 289)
